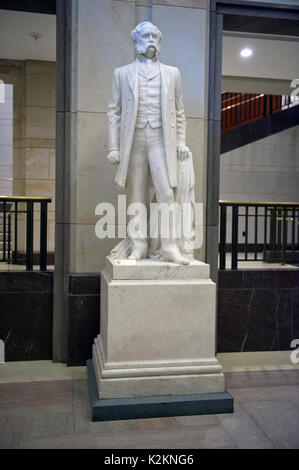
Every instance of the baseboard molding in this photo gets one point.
(255, 361)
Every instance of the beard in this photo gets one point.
(141, 49)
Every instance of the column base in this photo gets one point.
(109, 409)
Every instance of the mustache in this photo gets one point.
(141, 49)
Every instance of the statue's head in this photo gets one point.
(147, 39)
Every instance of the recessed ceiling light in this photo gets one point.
(246, 52)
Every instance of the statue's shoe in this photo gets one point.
(174, 256)
(138, 254)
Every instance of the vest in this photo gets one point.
(149, 103)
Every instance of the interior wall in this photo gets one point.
(34, 105)
(271, 58)
(106, 24)
(6, 144)
(265, 170)
(255, 85)
(39, 139)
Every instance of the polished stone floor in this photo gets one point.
(55, 414)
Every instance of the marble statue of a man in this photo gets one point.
(147, 132)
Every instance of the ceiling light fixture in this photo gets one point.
(246, 52)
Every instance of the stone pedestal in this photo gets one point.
(157, 332)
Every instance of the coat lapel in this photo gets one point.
(132, 79)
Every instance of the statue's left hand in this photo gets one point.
(183, 152)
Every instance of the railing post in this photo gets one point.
(293, 229)
(246, 233)
(4, 231)
(15, 254)
(265, 232)
(270, 104)
(222, 236)
(255, 232)
(284, 235)
(29, 237)
(265, 104)
(43, 236)
(273, 230)
(235, 216)
(8, 237)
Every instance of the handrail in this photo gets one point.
(242, 108)
(26, 198)
(253, 227)
(8, 208)
(257, 203)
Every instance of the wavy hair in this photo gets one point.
(137, 31)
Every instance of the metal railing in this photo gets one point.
(10, 209)
(242, 108)
(258, 231)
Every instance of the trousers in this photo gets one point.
(148, 154)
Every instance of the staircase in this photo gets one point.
(247, 117)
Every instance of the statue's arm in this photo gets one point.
(114, 118)
(182, 149)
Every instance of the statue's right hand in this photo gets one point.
(113, 157)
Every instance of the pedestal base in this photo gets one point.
(154, 406)
(157, 335)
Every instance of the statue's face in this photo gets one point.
(148, 42)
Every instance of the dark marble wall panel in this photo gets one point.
(26, 315)
(295, 313)
(26, 281)
(84, 317)
(257, 310)
(232, 321)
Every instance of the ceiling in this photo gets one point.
(16, 42)
(271, 58)
(276, 57)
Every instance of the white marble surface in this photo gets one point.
(157, 337)
(196, 136)
(102, 28)
(149, 269)
(188, 55)
(103, 44)
(93, 174)
(87, 252)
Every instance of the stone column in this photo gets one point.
(214, 72)
(91, 42)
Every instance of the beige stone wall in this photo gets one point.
(34, 94)
(6, 145)
(39, 138)
(104, 44)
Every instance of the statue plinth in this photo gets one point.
(157, 332)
